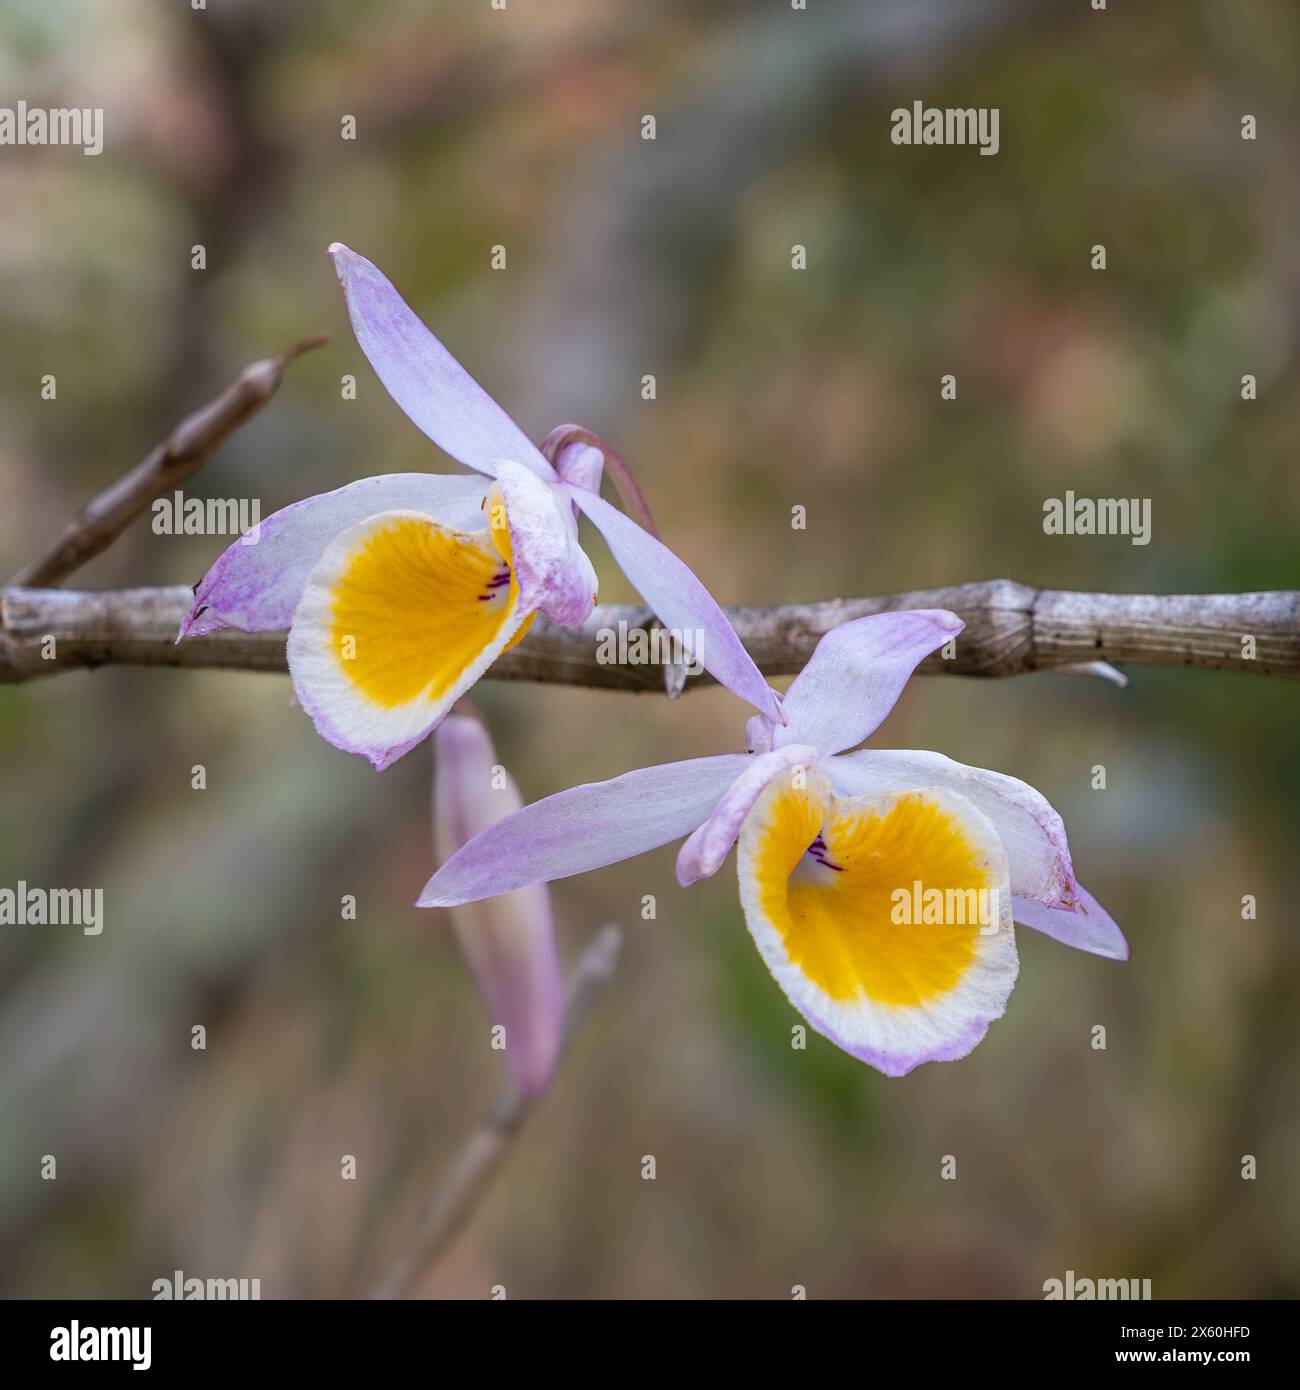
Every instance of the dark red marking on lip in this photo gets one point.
(821, 854)
(495, 584)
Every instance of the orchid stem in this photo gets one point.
(99, 523)
(487, 1146)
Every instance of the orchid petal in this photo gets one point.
(256, 583)
(584, 828)
(434, 390)
(555, 575)
(702, 854)
(758, 733)
(682, 604)
(1087, 926)
(581, 464)
(856, 674)
(1037, 853)
(508, 941)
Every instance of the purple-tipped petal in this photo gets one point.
(584, 828)
(856, 674)
(256, 586)
(1032, 832)
(508, 941)
(1086, 927)
(434, 390)
(681, 603)
(553, 570)
(703, 853)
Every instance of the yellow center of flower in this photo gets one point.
(843, 887)
(417, 604)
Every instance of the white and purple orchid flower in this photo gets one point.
(508, 941)
(840, 855)
(399, 591)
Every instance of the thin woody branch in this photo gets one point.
(99, 523)
(484, 1150)
(1011, 629)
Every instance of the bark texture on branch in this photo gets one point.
(1010, 629)
(99, 523)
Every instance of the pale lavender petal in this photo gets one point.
(758, 733)
(1031, 831)
(584, 828)
(434, 390)
(553, 570)
(508, 941)
(581, 464)
(1086, 927)
(855, 675)
(702, 854)
(256, 587)
(902, 1062)
(681, 603)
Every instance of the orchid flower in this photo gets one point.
(840, 855)
(508, 941)
(399, 591)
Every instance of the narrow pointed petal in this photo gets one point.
(856, 674)
(256, 583)
(839, 894)
(1030, 828)
(434, 390)
(508, 941)
(1087, 926)
(584, 828)
(702, 854)
(555, 575)
(681, 603)
(399, 618)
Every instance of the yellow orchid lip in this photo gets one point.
(415, 604)
(401, 615)
(833, 894)
(884, 919)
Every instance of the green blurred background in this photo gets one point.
(522, 128)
